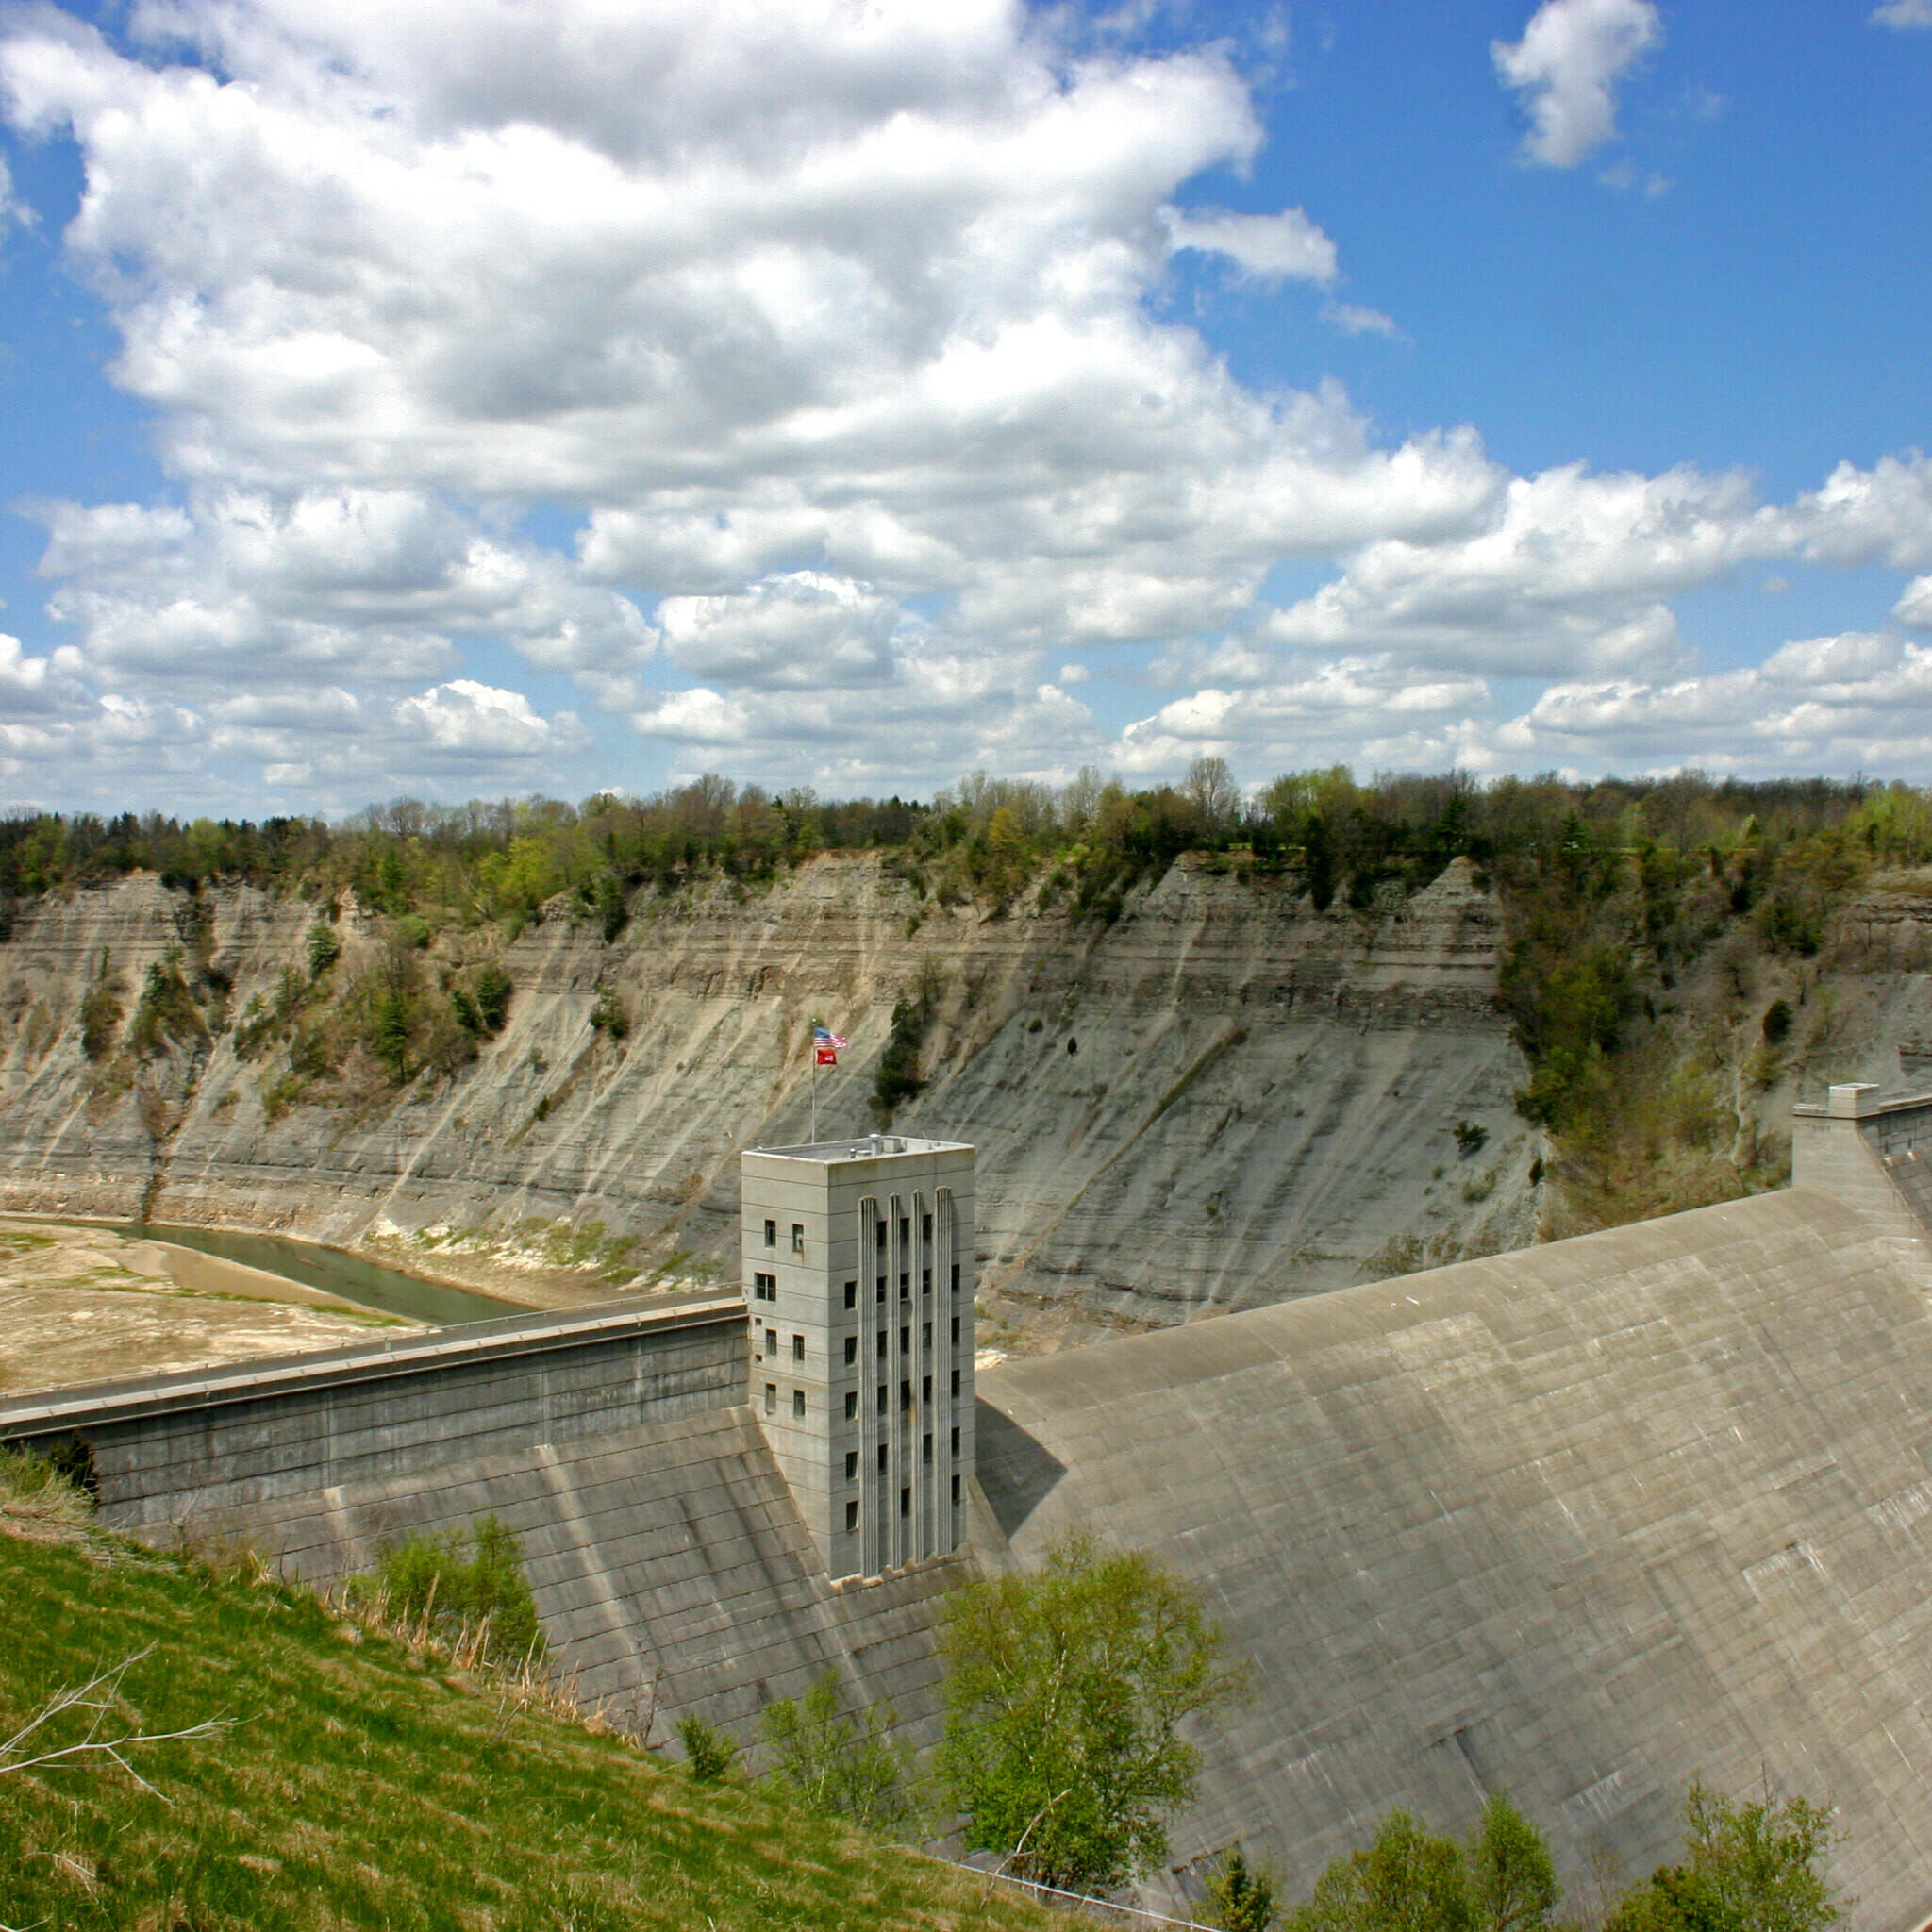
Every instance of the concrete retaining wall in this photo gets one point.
(191, 1451)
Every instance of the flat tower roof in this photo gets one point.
(867, 1147)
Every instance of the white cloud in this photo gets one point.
(1353, 320)
(1915, 605)
(1903, 13)
(1271, 248)
(797, 631)
(1566, 65)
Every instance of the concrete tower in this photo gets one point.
(858, 1279)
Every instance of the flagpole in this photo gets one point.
(814, 1092)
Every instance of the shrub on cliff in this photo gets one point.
(458, 1586)
(838, 1762)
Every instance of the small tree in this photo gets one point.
(1748, 1867)
(1065, 1692)
(1243, 1897)
(1408, 1881)
(708, 1751)
(1513, 1877)
(838, 1764)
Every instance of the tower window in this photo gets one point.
(956, 1331)
(882, 1399)
(926, 1281)
(906, 1288)
(798, 1404)
(904, 1502)
(852, 1294)
(852, 1465)
(882, 1236)
(771, 1341)
(956, 1442)
(905, 1342)
(905, 1230)
(882, 1288)
(925, 1447)
(925, 1335)
(771, 1398)
(852, 1406)
(956, 1488)
(851, 1350)
(771, 1234)
(764, 1288)
(925, 1228)
(798, 1348)
(884, 1343)
(956, 1278)
(926, 1389)
(797, 1239)
(904, 1395)
(956, 1381)
(851, 1517)
(882, 1458)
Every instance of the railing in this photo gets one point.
(1103, 1910)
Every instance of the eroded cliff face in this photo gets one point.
(1221, 1099)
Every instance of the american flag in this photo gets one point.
(826, 1044)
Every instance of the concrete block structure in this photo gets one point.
(858, 1283)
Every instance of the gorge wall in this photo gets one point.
(1220, 1099)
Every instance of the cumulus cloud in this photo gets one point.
(1567, 66)
(1903, 13)
(837, 337)
(1271, 248)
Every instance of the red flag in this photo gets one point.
(829, 1056)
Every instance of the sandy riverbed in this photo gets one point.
(87, 1305)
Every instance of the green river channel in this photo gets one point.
(367, 1283)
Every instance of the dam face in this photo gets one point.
(1582, 1522)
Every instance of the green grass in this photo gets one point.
(362, 1785)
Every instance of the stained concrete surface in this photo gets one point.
(1582, 1524)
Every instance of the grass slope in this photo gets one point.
(363, 1787)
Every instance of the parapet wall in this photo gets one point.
(190, 1451)
(1870, 1150)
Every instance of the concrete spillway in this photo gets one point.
(1582, 1522)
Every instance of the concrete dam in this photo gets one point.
(1581, 1523)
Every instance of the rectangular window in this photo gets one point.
(852, 1465)
(771, 1341)
(956, 1381)
(956, 1488)
(904, 1502)
(925, 1447)
(882, 1399)
(956, 1278)
(771, 1234)
(852, 1294)
(956, 1442)
(882, 1288)
(851, 1518)
(884, 1344)
(852, 1405)
(956, 1331)
(797, 1239)
(798, 1404)
(926, 1281)
(926, 1389)
(851, 1350)
(905, 1230)
(925, 1335)
(771, 1398)
(904, 1395)
(764, 1288)
(925, 1228)
(882, 1458)
(882, 1237)
(906, 1288)
(798, 1348)
(905, 1342)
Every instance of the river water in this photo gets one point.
(332, 1271)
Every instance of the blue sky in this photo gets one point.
(480, 398)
